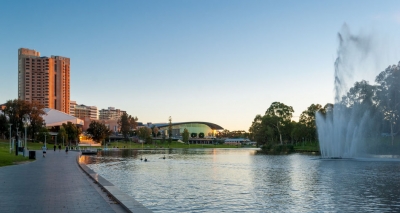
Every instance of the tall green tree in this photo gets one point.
(155, 131)
(98, 131)
(307, 118)
(185, 136)
(4, 128)
(72, 131)
(257, 131)
(15, 110)
(126, 124)
(281, 114)
(145, 134)
(62, 135)
(388, 96)
(170, 130)
(44, 135)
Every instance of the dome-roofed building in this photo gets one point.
(197, 127)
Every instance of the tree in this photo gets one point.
(4, 128)
(127, 124)
(185, 136)
(62, 135)
(16, 109)
(144, 133)
(155, 131)
(362, 93)
(44, 135)
(72, 131)
(282, 114)
(201, 135)
(170, 130)
(299, 131)
(257, 131)
(35, 117)
(98, 131)
(307, 118)
(388, 95)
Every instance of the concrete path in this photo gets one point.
(51, 184)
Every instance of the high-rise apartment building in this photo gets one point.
(44, 79)
(82, 111)
(110, 114)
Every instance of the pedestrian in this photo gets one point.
(55, 147)
(66, 149)
(44, 148)
(59, 147)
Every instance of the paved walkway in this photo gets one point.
(51, 184)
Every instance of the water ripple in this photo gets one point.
(239, 181)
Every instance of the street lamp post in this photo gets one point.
(10, 136)
(25, 120)
(16, 142)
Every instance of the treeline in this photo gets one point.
(277, 127)
(372, 109)
(15, 112)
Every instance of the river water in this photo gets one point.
(240, 180)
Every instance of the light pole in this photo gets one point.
(17, 132)
(10, 136)
(16, 142)
(25, 120)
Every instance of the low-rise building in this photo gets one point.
(82, 111)
(110, 114)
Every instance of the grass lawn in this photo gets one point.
(308, 147)
(6, 158)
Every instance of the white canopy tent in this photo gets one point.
(57, 118)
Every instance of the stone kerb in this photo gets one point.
(130, 204)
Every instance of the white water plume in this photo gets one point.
(351, 127)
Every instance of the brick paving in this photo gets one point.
(51, 184)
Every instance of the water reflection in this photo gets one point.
(228, 180)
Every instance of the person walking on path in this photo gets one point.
(44, 148)
(55, 147)
(66, 149)
(59, 148)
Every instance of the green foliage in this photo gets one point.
(276, 125)
(72, 131)
(155, 131)
(145, 134)
(126, 124)
(201, 135)
(98, 131)
(280, 110)
(62, 134)
(278, 149)
(16, 109)
(185, 136)
(170, 131)
(43, 135)
(308, 126)
(193, 135)
(4, 128)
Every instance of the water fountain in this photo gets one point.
(363, 114)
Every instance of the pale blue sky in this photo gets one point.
(221, 61)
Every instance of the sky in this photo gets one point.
(220, 61)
